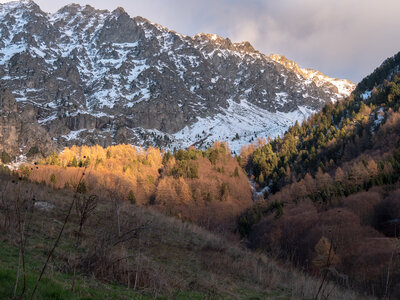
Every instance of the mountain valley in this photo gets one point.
(140, 163)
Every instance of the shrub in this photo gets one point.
(82, 188)
(33, 151)
(5, 157)
(25, 172)
(131, 197)
(53, 178)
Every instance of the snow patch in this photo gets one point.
(366, 95)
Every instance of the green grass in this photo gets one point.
(168, 253)
(177, 260)
(54, 285)
(57, 285)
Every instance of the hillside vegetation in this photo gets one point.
(206, 187)
(333, 187)
(94, 252)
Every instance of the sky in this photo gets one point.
(341, 38)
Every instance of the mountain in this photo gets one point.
(331, 201)
(99, 77)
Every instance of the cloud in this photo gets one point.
(342, 38)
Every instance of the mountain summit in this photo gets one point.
(93, 76)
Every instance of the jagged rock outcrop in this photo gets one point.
(19, 130)
(96, 76)
(9, 122)
(340, 86)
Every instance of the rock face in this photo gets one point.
(10, 124)
(19, 130)
(91, 76)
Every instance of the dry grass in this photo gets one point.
(158, 255)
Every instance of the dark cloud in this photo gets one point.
(342, 38)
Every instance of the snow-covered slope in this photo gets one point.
(343, 86)
(240, 124)
(95, 76)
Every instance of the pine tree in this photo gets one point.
(87, 162)
(74, 162)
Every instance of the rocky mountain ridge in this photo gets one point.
(344, 86)
(98, 77)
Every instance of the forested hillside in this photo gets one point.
(339, 133)
(207, 187)
(332, 188)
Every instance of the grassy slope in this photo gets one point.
(55, 285)
(175, 259)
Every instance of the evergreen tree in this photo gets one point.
(74, 162)
(87, 162)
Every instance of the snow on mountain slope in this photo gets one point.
(238, 125)
(95, 76)
(344, 86)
